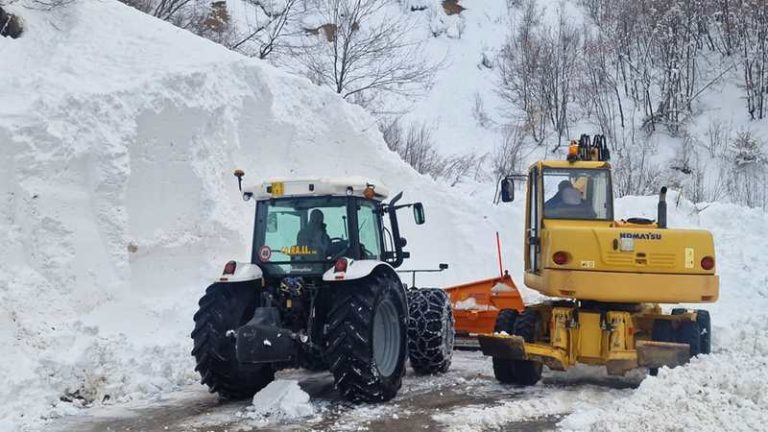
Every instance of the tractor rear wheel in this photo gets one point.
(224, 308)
(430, 330)
(527, 372)
(504, 369)
(366, 337)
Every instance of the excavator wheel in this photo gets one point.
(662, 332)
(688, 333)
(504, 369)
(705, 327)
(527, 372)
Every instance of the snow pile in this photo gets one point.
(724, 391)
(119, 136)
(279, 401)
(549, 402)
(470, 303)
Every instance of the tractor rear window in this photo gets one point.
(577, 194)
(302, 234)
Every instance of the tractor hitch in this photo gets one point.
(260, 340)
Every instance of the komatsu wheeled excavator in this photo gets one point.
(605, 278)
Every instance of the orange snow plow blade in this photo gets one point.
(476, 304)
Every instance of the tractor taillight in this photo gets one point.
(707, 263)
(560, 258)
(229, 268)
(340, 266)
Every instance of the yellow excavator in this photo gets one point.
(605, 278)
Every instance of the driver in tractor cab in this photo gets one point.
(568, 203)
(314, 236)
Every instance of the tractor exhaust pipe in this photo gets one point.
(661, 218)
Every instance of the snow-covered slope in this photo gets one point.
(119, 135)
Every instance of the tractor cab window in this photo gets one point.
(369, 229)
(577, 194)
(303, 234)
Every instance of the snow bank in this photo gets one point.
(279, 401)
(119, 134)
(537, 404)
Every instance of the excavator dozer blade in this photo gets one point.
(657, 354)
(502, 346)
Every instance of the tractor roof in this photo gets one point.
(277, 188)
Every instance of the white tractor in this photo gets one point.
(321, 291)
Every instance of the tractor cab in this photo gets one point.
(303, 227)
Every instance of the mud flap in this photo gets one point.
(502, 346)
(654, 354)
(262, 341)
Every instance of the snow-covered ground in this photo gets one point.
(118, 137)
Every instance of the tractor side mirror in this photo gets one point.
(402, 242)
(272, 223)
(443, 266)
(418, 214)
(507, 189)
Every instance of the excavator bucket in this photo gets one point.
(476, 305)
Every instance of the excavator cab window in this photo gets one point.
(582, 194)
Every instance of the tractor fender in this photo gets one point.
(358, 269)
(244, 271)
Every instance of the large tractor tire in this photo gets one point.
(224, 308)
(430, 330)
(366, 337)
(504, 369)
(527, 372)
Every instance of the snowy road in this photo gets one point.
(467, 398)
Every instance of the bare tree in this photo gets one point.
(360, 51)
(187, 14)
(519, 65)
(269, 24)
(538, 69)
(508, 156)
(416, 147)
